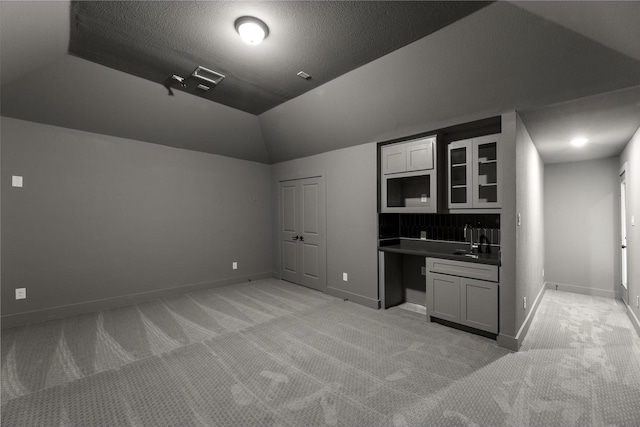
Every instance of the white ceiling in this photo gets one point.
(607, 120)
(562, 65)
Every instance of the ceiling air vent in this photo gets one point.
(207, 75)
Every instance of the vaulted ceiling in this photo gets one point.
(379, 71)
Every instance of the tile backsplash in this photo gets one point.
(447, 227)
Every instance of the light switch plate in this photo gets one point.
(16, 181)
(21, 293)
(234, 265)
(345, 277)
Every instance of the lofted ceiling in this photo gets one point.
(155, 40)
(380, 70)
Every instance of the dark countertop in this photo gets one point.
(434, 249)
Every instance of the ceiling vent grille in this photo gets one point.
(207, 75)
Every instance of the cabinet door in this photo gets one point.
(460, 175)
(394, 159)
(443, 297)
(420, 154)
(479, 304)
(487, 171)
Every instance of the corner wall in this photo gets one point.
(631, 156)
(103, 221)
(530, 246)
(582, 211)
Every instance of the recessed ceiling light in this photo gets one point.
(579, 141)
(251, 30)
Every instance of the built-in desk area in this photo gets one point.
(455, 284)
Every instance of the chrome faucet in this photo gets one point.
(469, 228)
(487, 242)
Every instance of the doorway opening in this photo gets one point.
(623, 231)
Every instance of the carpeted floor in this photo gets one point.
(269, 353)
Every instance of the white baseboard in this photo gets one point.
(524, 328)
(59, 312)
(358, 299)
(633, 318)
(583, 290)
(508, 342)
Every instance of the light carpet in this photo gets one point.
(270, 353)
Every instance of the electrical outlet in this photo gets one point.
(637, 301)
(234, 265)
(524, 303)
(16, 181)
(543, 272)
(345, 277)
(21, 293)
(519, 220)
(423, 270)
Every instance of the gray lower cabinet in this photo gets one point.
(459, 296)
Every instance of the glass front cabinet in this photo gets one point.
(474, 173)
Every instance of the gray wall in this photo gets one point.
(351, 206)
(631, 156)
(582, 226)
(530, 248)
(110, 102)
(103, 221)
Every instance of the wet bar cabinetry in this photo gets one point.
(463, 293)
(408, 170)
(474, 174)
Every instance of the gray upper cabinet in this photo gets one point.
(408, 156)
(409, 176)
(475, 173)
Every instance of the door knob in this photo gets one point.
(624, 246)
(301, 238)
(296, 237)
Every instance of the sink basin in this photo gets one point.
(465, 252)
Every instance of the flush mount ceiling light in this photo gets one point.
(251, 30)
(579, 141)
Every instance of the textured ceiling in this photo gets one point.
(326, 39)
(559, 64)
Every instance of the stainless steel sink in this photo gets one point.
(464, 252)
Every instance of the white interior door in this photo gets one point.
(302, 232)
(623, 225)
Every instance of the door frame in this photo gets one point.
(622, 182)
(297, 177)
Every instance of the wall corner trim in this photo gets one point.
(508, 342)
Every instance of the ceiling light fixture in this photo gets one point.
(251, 30)
(579, 142)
